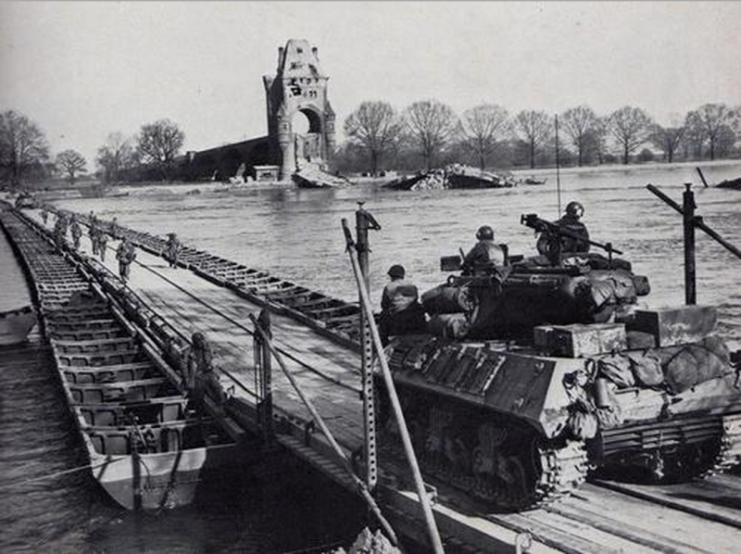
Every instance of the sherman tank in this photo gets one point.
(532, 375)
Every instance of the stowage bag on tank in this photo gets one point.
(445, 299)
(449, 326)
(690, 364)
(628, 369)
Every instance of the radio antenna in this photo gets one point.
(558, 171)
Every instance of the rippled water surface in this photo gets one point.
(296, 235)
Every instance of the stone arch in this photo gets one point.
(299, 86)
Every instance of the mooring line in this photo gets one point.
(56, 474)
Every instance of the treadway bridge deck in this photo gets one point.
(600, 517)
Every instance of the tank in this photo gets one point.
(535, 375)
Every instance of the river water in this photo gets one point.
(296, 235)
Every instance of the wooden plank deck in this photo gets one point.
(174, 298)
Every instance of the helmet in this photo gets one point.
(397, 270)
(575, 208)
(485, 233)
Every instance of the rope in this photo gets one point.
(244, 328)
(53, 475)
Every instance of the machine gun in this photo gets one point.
(555, 232)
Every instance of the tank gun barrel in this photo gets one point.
(542, 225)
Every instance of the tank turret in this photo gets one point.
(533, 372)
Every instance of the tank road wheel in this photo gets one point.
(690, 462)
(516, 470)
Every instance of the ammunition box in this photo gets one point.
(638, 340)
(580, 341)
(674, 326)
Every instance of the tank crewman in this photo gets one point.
(200, 378)
(125, 254)
(101, 239)
(484, 253)
(172, 249)
(571, 222)
(401, 312)
(76, 233)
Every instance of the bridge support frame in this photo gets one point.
(364, 222)
(263, 375)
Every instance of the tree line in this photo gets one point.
(429, 133)
(426, 134)
(25, 152)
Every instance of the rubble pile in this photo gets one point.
(453, 176)
(312, 176)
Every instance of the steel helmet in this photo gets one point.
(485, 233)
(575, 208)
(397, 270)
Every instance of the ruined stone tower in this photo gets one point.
(299, 89)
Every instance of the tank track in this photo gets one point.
(524, 474)
(729, 455)
(564, 470)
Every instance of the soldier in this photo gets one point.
(125, 255)
(59, 232)
(93, 232)
(44, 215)
(484, 253)
(114, 228)
(101, 240)
(64, 223)
(76, 233)
(200, 378)
(571, 223)
(172, 249)
(401, 312)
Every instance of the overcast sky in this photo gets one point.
(82, 70)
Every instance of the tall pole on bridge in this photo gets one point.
(363, 223)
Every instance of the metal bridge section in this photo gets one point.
(323, 355)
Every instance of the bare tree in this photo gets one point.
(630, 127)
(533, 128)
(116, 155)
(160, 142)
(481, 127)
(708, 120)
(22, 145)
(72, 163)
(375, 127)
(430, 125)
(580, 125)
(668, 139)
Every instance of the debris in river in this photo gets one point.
(453, 176)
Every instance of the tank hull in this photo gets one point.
(518, 429)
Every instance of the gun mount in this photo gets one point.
(554, 234)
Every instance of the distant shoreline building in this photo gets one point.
(298, 90)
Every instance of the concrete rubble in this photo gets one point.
(453, 176)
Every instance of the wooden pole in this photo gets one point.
(702, 177)
(698, 222)
(434, 534)
(690, 285)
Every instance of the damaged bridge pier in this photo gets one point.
(318, 340)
